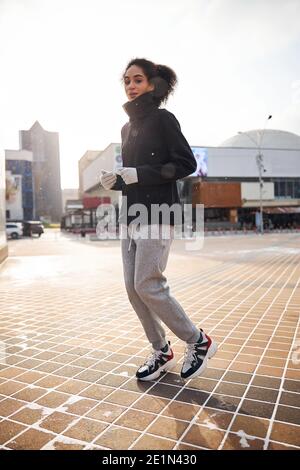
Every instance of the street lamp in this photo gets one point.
(260, 166)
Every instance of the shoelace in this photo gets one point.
(190, 352)
(150, 361)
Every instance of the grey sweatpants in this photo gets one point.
(144, 261)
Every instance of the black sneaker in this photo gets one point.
(197, 355)
(159, 361)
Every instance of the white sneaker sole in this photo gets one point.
(210, 353)
(165, 368)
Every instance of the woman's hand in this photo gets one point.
(107, 179)
(129, 175)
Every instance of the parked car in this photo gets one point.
(14, 230)
(30, 227)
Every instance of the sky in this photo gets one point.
(61, 63)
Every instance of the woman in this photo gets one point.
(155, 155)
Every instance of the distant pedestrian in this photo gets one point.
(155, 155)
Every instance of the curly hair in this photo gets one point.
(162, 77)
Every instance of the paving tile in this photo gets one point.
(187, 447)
(9, 429)
(89, 375)
(11, 372)
(183, 411)
(205, 385)
(98, 392)
(147, 442)
(288, 414)
(288, 385)
(30, 440)
(59, 445)
(73, 386)
(30, 393)
(136, 385)
(194, 397)
(117, 438)
(277, 446)
(263, 394)
(112, 380)
(57, 422)
(9, 406)
(202, 436)
(164, 390)
(50, 381)
(285, 433)
(11, 387)
(81, 406)
(53, 399)
(167, 427)
(257, 408)
(292, 399)
(236, 390)
(269, 382)
(85, 429)
(237, 377)
(214, 419)
(135, 419)
(292, 374)
(106, 412)
(152, 404)
(242, 442)
(48, 367)
(69, 371)
(251, 426)
(28, 415)
(122, 397)
(223, 402)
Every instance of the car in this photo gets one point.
(14, 230)
(30, 227)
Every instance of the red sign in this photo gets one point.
(94, 202)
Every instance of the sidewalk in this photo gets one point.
(70, 344)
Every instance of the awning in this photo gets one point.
(282, 210)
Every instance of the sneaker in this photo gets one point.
(197, 355)
(159, 361)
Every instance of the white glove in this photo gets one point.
(129, 175)
(107, 179)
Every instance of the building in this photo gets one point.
(227, 180)
(230, 190)
(19, 185)
(109, 159)
(44, 146)
(69, 194)
(83, 163)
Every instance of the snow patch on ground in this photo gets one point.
(244, 437)
(210, 425)
(61, 439)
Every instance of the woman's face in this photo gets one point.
(136, 83)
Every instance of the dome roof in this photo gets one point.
(271, 139)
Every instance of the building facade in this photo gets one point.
(230, 190)
(228, 181)
(44, 146)
(19, 185)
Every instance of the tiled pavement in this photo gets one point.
(70, 344)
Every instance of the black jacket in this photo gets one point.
(152, 143)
